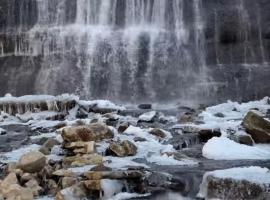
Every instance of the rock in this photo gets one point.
(93, 132)
(34, 186)
(126, 148)
(15, 192)
(81, 147)
(228, 188)
(48, 145)
(186, 118)
(244, 139)
(207, 134)
(145, 106)
(221, 115)
(11, 179)
(27, 177)
(158, 132)
(64, 173)
(148, 117)
(93, 185)
(75, 192)
(257, 127)
(68, 181)
(52, 187)
(139, 139)
(122, 127)
(32, 162)
(131, 174)
(11, 167)
(87, 159)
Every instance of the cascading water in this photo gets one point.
(125, 50)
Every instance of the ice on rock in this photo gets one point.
(2, 131)
(102, 104)
(111, 187)
(254, 174)
(148, 117)
(222, 148)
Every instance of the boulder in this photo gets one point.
(158, 132)
(229, 188)
(48, 145)
(122, 127)
(64, 173)
(8, 181)
(87, 159)
(257, 127)
(93, 185)
(93, 132)
(244, 139)
(81, 147)
(126, 148)
(148, 117)
(32, 162)
(34, 186)
(52, 187)
(68, 181)
(75, 192)
(15, 192)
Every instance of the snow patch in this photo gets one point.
(222, 148)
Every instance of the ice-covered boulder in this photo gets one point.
(236, 183)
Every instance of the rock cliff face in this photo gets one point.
(137, 50)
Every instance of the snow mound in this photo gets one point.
(222, 148)
(102, 104)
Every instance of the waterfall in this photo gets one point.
(125, 50)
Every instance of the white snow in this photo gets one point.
(148, 116)
(222, 148)
(126, 195)
(252, 174)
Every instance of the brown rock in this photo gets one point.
(126, 148)
(64, 173)
(93, 132)
(245, 139)
(34, 186)
(87, 159)
(122, 127)
(81, 147)
(158, 132)
(48, 145)
(68, 181)
(257, 127)
(11, 179)
(32, 162)
(92, 185)
(52, 187)
(15, 192)
(27, 177)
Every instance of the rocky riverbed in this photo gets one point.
(66, 148)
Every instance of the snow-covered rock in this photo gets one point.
(236, 183)
(148, 117)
